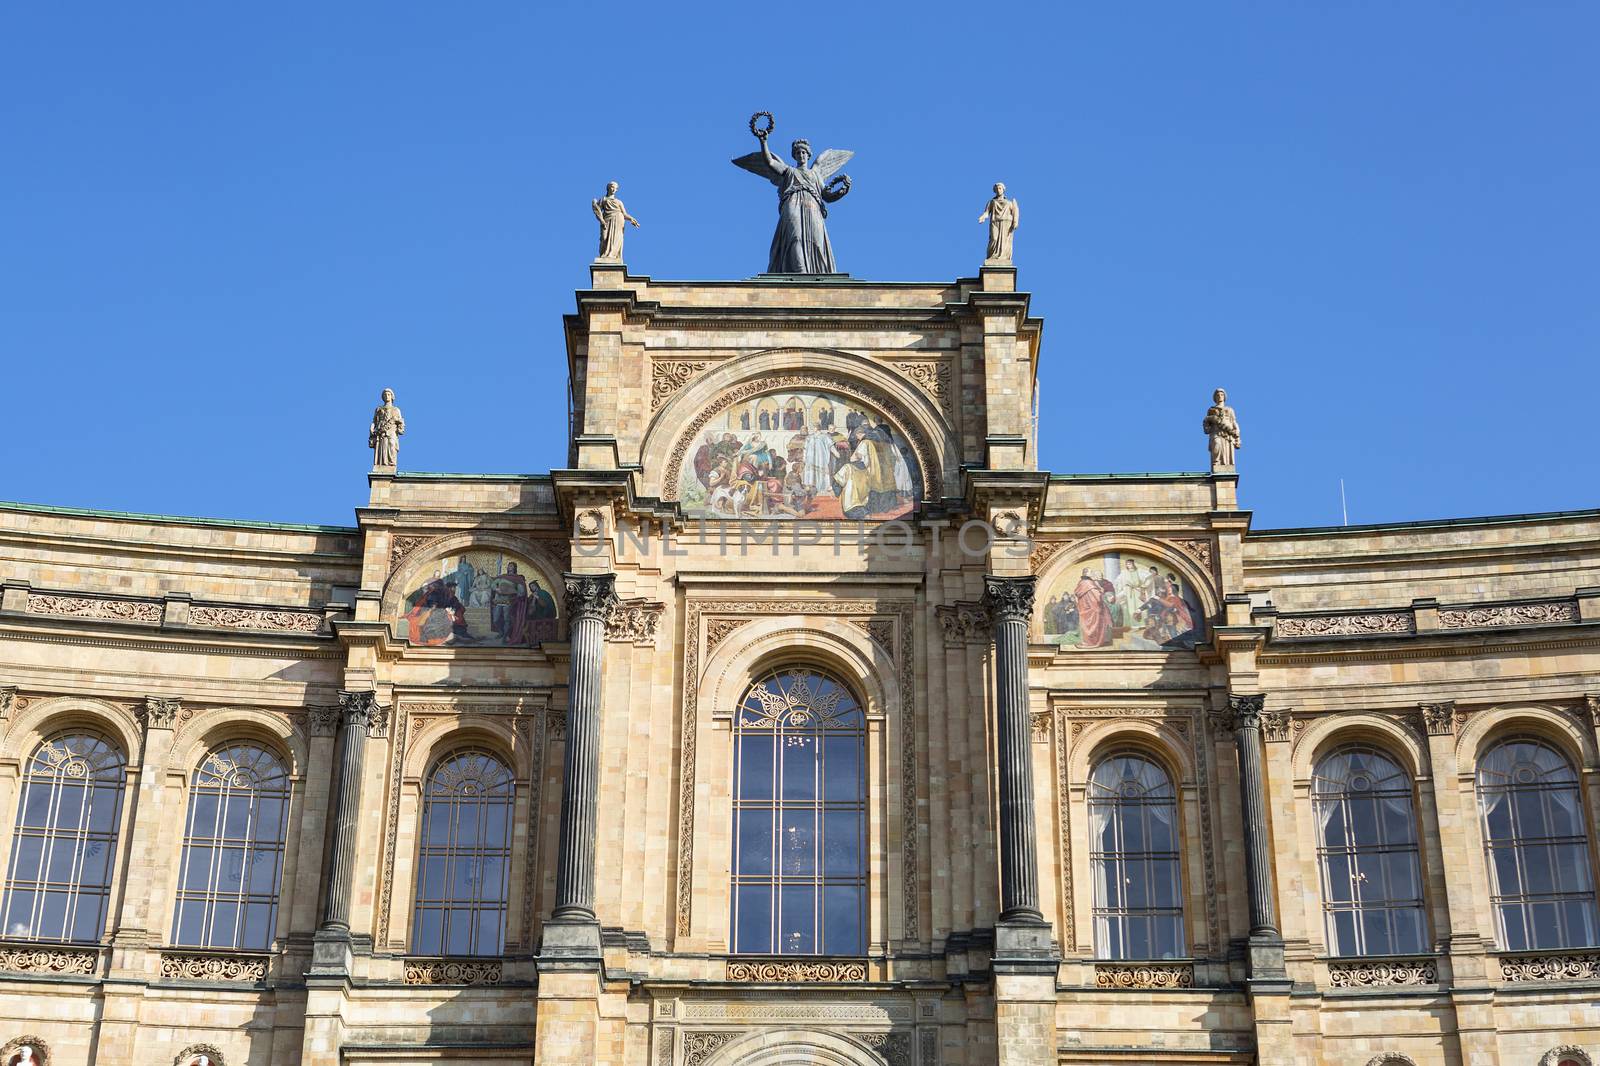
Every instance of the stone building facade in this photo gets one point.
(799, 718)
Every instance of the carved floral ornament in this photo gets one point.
(11, 1048)
(1566, 1053)
(1391, 1058)
(190, 1056)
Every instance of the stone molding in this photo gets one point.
(1550, 966)
(36, 958)
(667, 376)
(1379, 973)
(1143, 975)
(147, 611)
(213, 966)
(453, 971)
(965, 623)
(635, 621)
(786, 972)
(402, 545)
(107, 608)
(188, 1055)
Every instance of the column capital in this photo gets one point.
(160, 712)
(1439, 718)
(590, 596)
(1009, 599)
(1244, 710)
(360, 710)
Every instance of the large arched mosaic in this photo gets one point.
(1123, 599)
(484, 597)
(803, 453)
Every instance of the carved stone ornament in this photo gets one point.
(635, 621)
(1198, 550)
(717, 629)
(1040, 723)
(403, 545)
(1275, 725)
(1569, 966)
(186, 967)
(1377, 974)
(590, 596)
(1244, 712)
(965, 623)
(41, 1050)
(667, 376)
(1143, 975)
(361, 711)
(1391, 1058)
(1439, 719)
(15, 958)
(893, 1048)
(269, 621)
(8, 700)
(1009, 599)
(453, 971)
(159, 712)
(555, 725)
(932, 378)
(1593, 704)
(1044, 551)
(880, 630)
(1363, 624)
(106, 608)
(590, 523)
(697, 1047)
(322, 721)
(796, 972)
(1566, 1053)
(191, 1055)
(1514, 614)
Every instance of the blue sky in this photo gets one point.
(226, 228)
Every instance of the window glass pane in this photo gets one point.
(27, 856)
(224, 920)
(52, 922)
(1137, 879)
(841, 920)
(1342, 925)
(1514, 927)
(425, 936)
(87, 919)
(797, 920)
(797, 842)
(842, 843)
(753, 928)
(755, 843)
(842, 768)
(458, 932)
(257, 933)
(190, 925)
(799, 767)
(464, 856)
(755, 765)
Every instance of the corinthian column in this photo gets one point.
(1010, 603)
(1246, 714)
(590, 600)
(357, 712)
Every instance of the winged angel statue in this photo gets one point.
(800, 244)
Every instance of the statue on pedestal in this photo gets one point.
(1222, 426)
(384, 436)
(1003, 216)
(800, 243)
(613, 216)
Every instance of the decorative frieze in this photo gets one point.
(1354, 624)
(932, 377)
(1567, 966)
(1511, 614)
(1143, 975)
(667, 376)
(965, 623)
(184, 966)
(453, 971)
(1380, 973)
(60, 961)
(261, 619)
(635, 621)
(786, 972)
(146, 612)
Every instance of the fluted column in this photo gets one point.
(1010, 603)
(590, 599)
(1246, 714)
(356, 713)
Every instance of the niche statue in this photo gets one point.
(800, 243)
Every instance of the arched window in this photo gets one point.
(58, 884)
(1540, 878)
(233, 846)
(464, 862)
(1367, 851)
(800, 818)
(1133, 856)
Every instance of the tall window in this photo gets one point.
(1367, 850)
(1540, 878)
(464, 863)
(233, 848)
(1133, 854)
(58, 884)
(800, 818)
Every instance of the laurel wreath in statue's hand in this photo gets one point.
(762, 132)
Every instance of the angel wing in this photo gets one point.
(831, 162)
(755, 163)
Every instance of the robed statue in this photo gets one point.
(805, 189)
(612, 216)
(1222, 426)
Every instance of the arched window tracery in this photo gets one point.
(1541, 873)
(1134, 860)
(464, 858)
(800, 818)
(233, 848)
(58, 882)
(1367, 854)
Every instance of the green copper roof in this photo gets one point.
(188, 520)
(1428, 523)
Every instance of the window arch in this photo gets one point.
(799, 818)
(58, 883)
(464, 860)
(1134, 859)
(1367, 853)
(233, 847)
(1541, 881)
